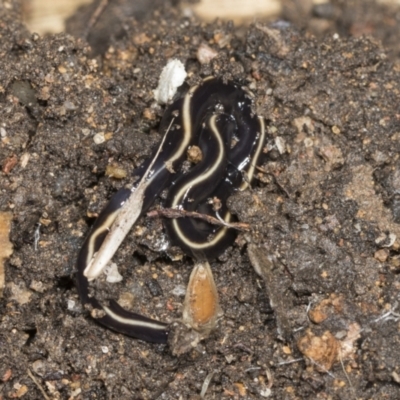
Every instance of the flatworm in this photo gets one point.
(216, 117)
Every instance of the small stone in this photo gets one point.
(265, 392)
(38, 367)
(322, 350)
(332, 155)
(396, 377)
(24, 160)
(7, 375)
(9, 164)
(308, 142)
(113, 276)
(205, 54)
(172, 76)
(381, 255)
(304, 125)
(70, 305)
(37, 286)
(62, 69)
(99, 138)
(326, 307)
(179, 290)
(114, 171)
(241, 388)
(68, 105)
(280, 144)
(20, 294)
(20, 390)
(149, 114)
(126, 300)
(317, 315)
(194, 154)
(108, 135)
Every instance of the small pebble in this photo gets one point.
(172, 76)
(205, 54)
(113, 276)
(99, 138)
(381, 255)
(179, 290)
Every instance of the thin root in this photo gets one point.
(174, 213)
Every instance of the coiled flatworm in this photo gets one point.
(216, 117)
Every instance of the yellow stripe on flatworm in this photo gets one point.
(200, 179)
(132, 321)
(105, 226)
(178, 198)
(187, 126)
(253, 161)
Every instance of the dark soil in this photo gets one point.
(318, 321)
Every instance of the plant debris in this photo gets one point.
(324, 211)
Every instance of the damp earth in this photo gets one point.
(310, 295)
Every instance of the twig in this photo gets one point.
(95, 17)
(390, 315)
(296, 360)
(175, 213)
(347, 376)
(36, 382)
(37, 236)
(123, 222)
(243, 347)
(269, 377)
(322, 368)
(206, 383)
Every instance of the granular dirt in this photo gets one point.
(309, 296)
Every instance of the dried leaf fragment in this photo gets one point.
(201, 309)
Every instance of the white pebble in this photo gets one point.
(205, 54)
(172, 76)
(113, 276)
(266, 392)
(71, 305)
(99, 138)
(179, 290)
(25, 159)
(280, 144)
